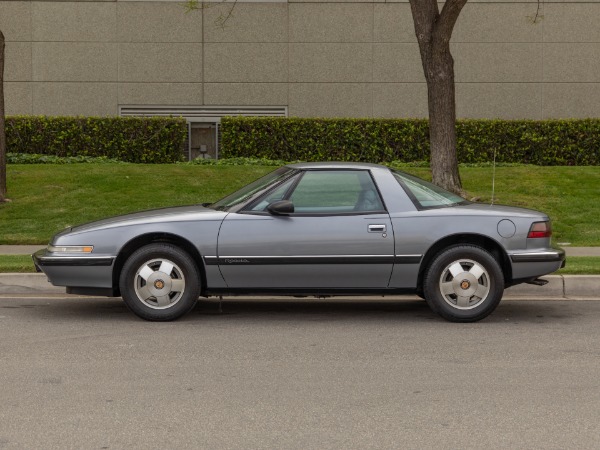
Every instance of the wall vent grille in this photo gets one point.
(202, 113)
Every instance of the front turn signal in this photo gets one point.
(71, 248)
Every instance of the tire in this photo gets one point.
(468, 270)
(160, 282)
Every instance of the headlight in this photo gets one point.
(70, 248)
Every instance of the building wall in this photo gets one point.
(318, 58)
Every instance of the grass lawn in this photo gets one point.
(16, 264)
(576, 265)
(47, 198)
(569, 195)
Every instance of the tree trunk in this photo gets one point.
(433, 30)
(2, 128)
(442, 123)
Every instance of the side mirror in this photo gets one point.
(281, 208)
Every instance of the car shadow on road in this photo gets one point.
(302, 310)
(318, 309)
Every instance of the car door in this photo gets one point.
(339, 236)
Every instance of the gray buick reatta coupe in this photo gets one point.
(310, 229)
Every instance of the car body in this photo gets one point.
(310, 229)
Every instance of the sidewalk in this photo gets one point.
(20, 249)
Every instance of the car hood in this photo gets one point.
(173, 214)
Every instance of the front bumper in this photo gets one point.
(71, 270)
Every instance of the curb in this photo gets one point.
(559, 286)
(562, 286)
(27, 283)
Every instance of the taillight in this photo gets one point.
(540, 230)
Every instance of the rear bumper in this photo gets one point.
(532, 264)
(554, 255)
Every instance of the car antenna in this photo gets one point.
(493, 177)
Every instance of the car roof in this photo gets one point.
(335, 165)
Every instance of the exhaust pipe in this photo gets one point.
(538, 282)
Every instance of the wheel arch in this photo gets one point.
(153, 238)
(485, 242)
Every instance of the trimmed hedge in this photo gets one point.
(547, 142)
(131, 139)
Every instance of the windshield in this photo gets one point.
(251, 190)
(425, 194)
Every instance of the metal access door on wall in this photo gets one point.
(204, 122)
(204, 140)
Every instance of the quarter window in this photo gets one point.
(425, 194)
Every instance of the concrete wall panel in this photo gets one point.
(17, 64)
(502, 22)
(331, 22)
(393, 23)
(262, 94)
(15, 20)
(572, 62)
(499, 100)
(18, 98)
(571, 100)
(331, 100)
(160, 93)
(87, 1)
(74, 21)
(157, 22)
(400, 100)
(497, 62)
(75, 99)
(337, 1)
(398, 63)
(251, 22)
(571, 22)
(166, 63)
(249, 63)
(331, 62)
(341, 58)
(73, 61)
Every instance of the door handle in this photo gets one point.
(377, 228)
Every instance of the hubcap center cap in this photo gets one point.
(159, 284)
(464, 284)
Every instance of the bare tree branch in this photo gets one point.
(537, 17)
(221, 21)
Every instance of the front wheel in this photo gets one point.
(463, 284)
(160, 282)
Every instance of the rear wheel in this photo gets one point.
(160, 282)
(463, 283)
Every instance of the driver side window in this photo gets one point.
(336, 192)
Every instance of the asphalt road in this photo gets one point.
(87, 374)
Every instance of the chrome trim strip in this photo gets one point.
(552, 256)
(408, 259)
(312, 259)
(44, 261)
